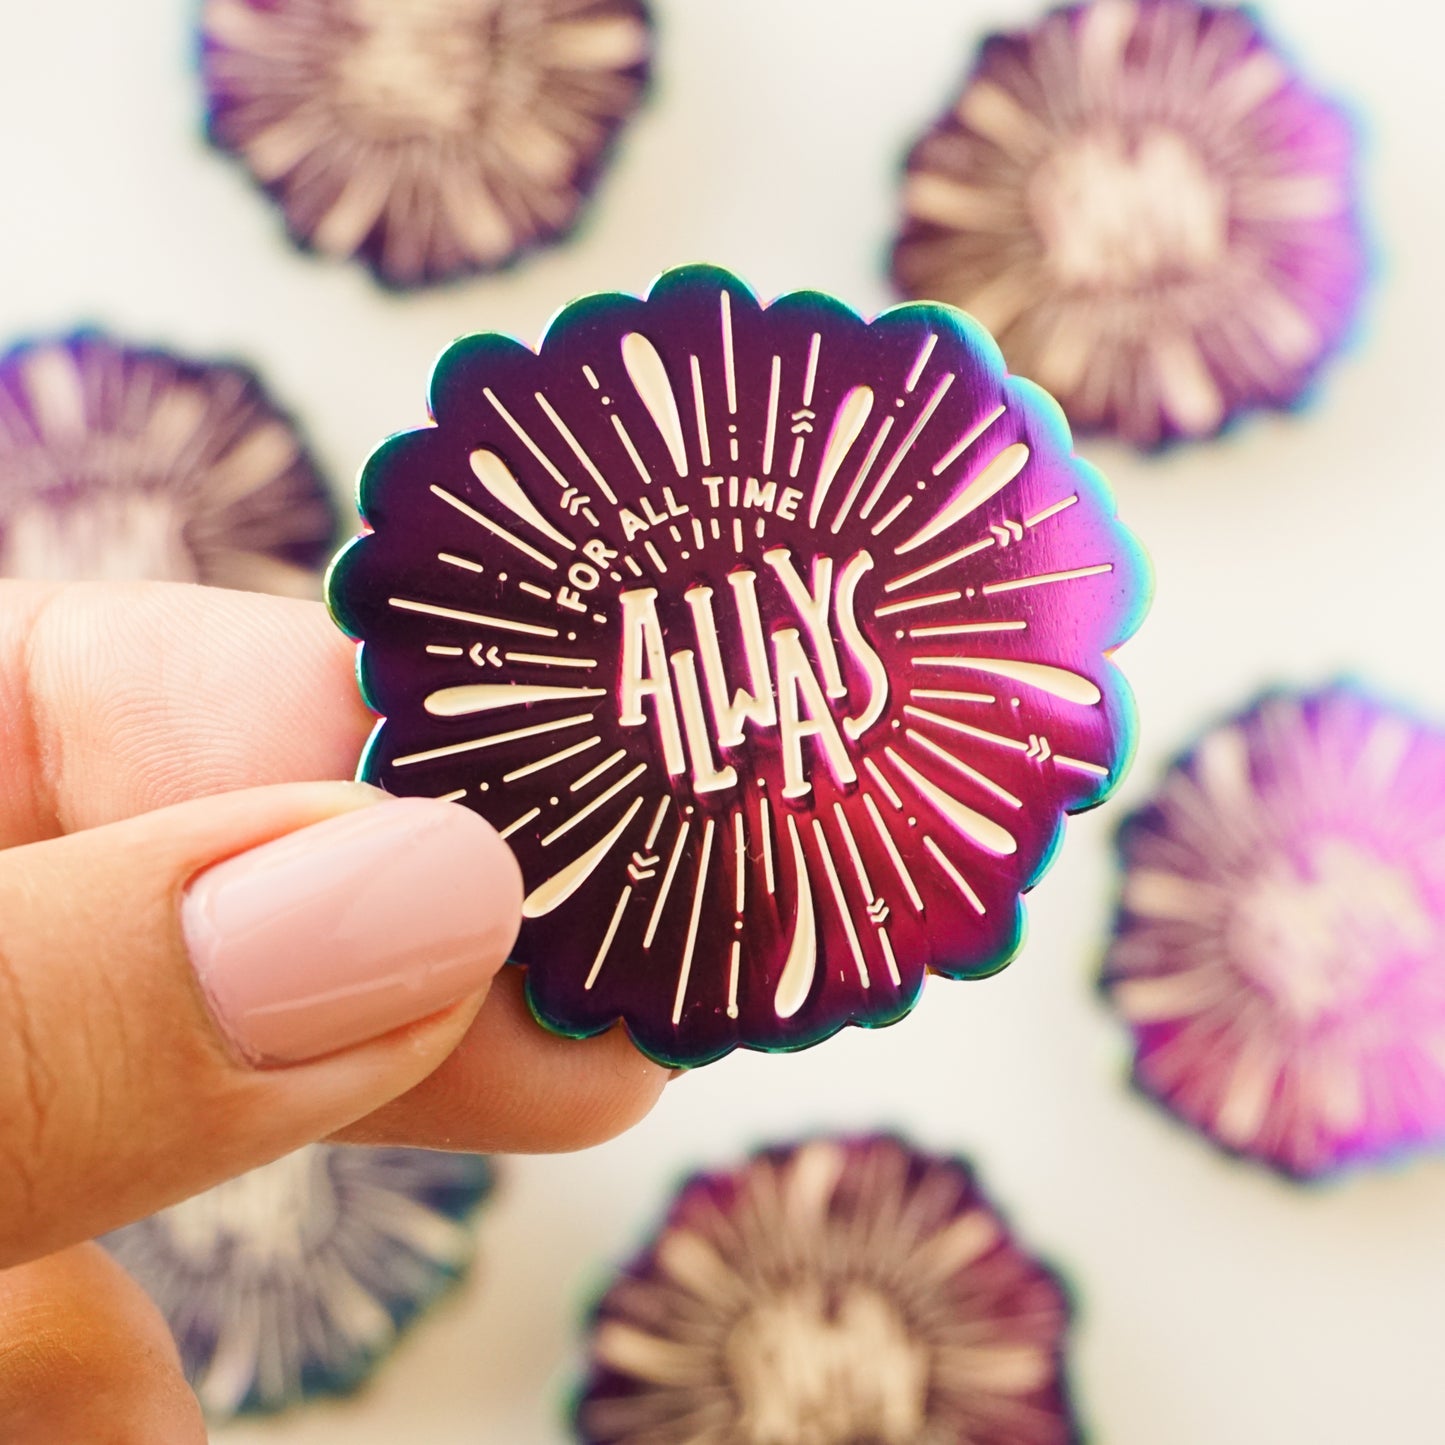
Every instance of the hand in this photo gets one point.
(195, 980)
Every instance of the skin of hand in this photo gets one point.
(212, 953)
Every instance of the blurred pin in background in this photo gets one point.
(429, 138)
(1151, 211)
(123, 463)
(294, 1280)
(1279, 954)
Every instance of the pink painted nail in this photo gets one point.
(353, 927)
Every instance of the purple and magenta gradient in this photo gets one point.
(1152, 211)
(120, 463)
(1280, 948)
(428, 138)
(295, 1280)
(836, 1290)
(776, 642)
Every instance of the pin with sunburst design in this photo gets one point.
(1153, 212)
(294, 1280)
(120, 462)
(1280, 948)
(834, 1291)
(428, 138)
(775, 641)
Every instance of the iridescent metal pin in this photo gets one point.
(775, 641)
(429, 138)
(119, 462)
(833, 1291)
(1280, 948)
(294, 1280)
(1154, 214)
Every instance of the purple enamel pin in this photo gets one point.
(294, 1280)
(118, 463)
(835, 1291)
(775, 641)
(1154, 215)
(1279, 957)
(429, 138)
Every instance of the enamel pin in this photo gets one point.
(775, 641)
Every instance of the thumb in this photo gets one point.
(191, 993)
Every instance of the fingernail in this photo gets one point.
(345, 930)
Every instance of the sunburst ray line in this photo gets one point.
(476, 619)
(810, 375)
(887, 946)
(593, 774)
(1050, 511)
(607, 937)
(437, 649)
(685, 968)
(967, 729)
(730, 375)
(770, 436)
(452, 797)
(577, 448)
(1081, 766)
(898, 509)
(701, 407)
(920, 573)
(874, 447)
(547, 659)
(740, 858)
(661, 901)
(924, 416)
(879, 777)
(765, 824)
(533, 590)
(864, 882)
(525, 437)
(465, 563)
(656, 823)
(891, 848)
(977, 827)
(961, 629)
(625, 437)
(916, 370)
(845, 914)
(497, 530)
(968, 771)
(943, 694)
(556, 890)
(492, 740)
(650, 379)
(734, 968)
(519, 823)
(912, 604)
(996, 474)
(656, 556)
(959, 881)
(471, 698)
(599, 801)
(1014, 584)
(527, 769)
(966, 441)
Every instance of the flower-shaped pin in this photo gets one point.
(1280, 954)
(776, 642)
(831, 1292)
(294, 1280)
(121, 463)
(1152, 212)
(430, 138)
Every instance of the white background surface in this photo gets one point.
(1218, 1306)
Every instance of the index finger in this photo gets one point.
(116, 699)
